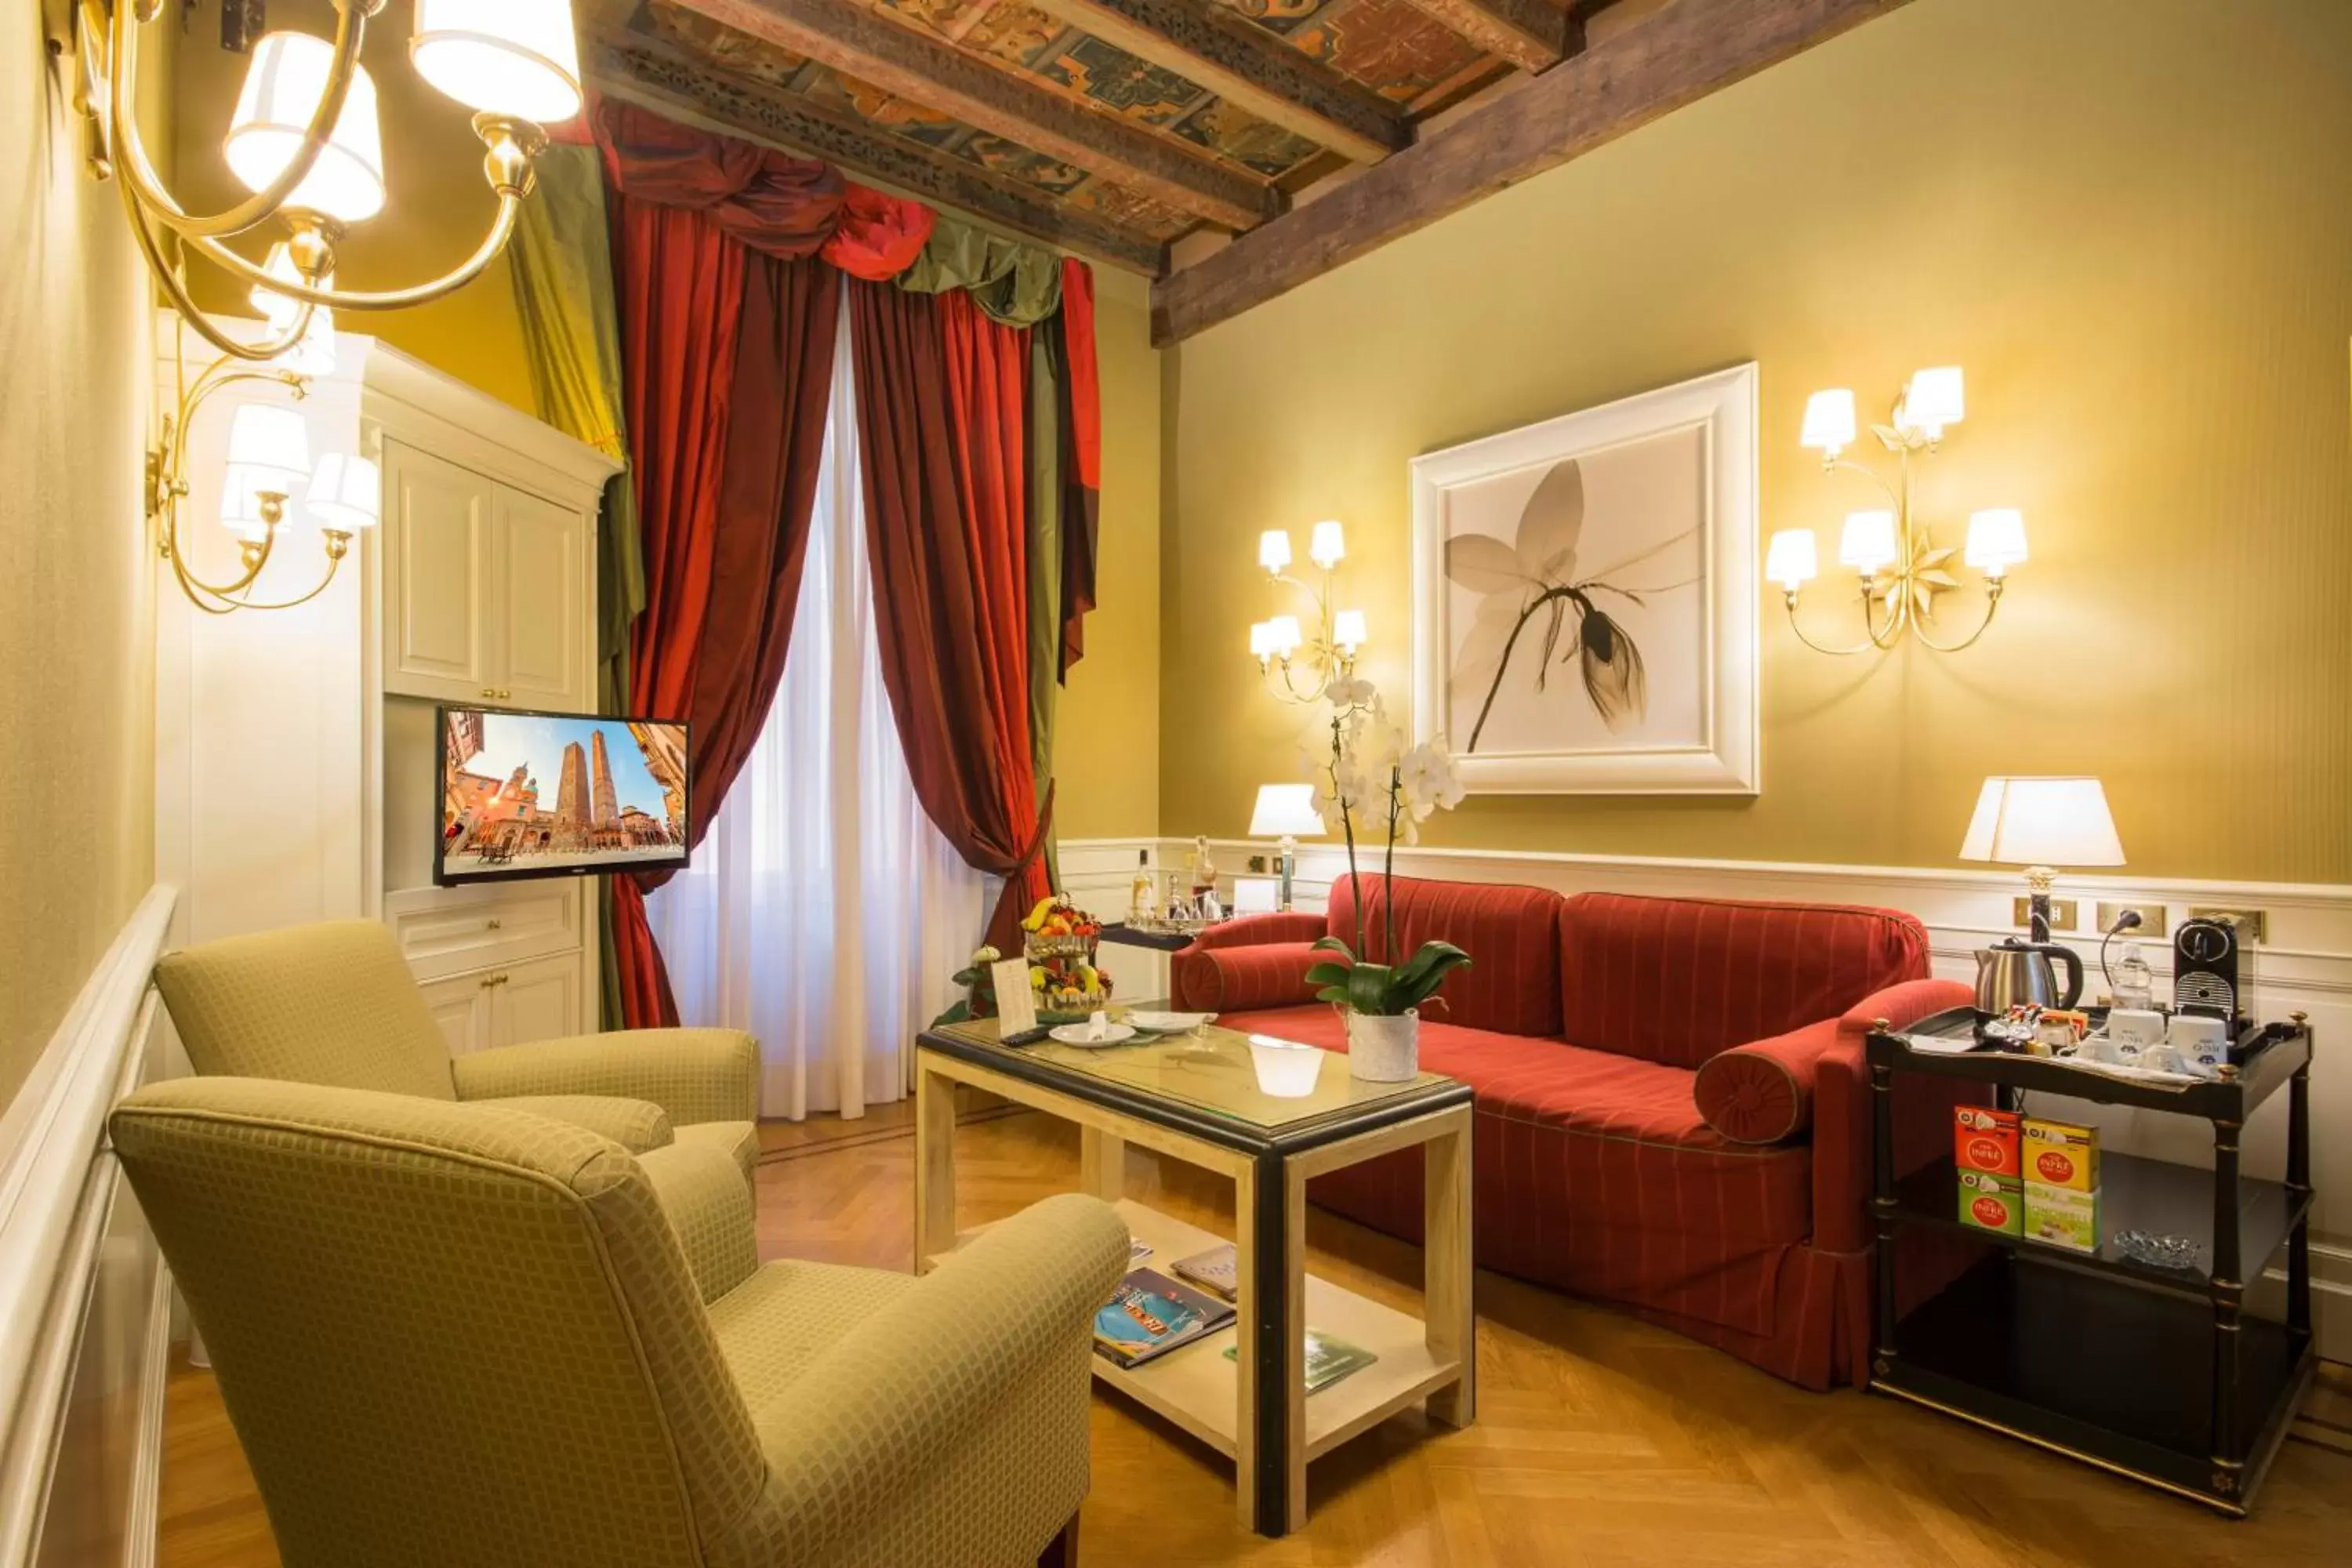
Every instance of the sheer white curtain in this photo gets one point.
(824, 912)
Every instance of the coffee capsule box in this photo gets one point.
(2061, 1217)
(1986, 1140)
(2060, 1154)
(1992, 1201)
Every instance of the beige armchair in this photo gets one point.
(335, 1004)
(463, 1334)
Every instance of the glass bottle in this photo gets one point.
(2133, 981)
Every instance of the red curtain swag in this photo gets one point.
(727, 356)
(941, 395)
(1081, 435)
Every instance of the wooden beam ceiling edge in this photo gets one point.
(901, 61)
(1529, 34)
(657, 76)
(1688, 49)
(1249, 67)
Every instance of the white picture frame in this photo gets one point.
(1701, 733)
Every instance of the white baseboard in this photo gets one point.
(142, 1529)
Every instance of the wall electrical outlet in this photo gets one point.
(2253, 925)
(2151, 920)
(2064, 913)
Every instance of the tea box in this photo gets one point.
(2062, 1217)
(1992, 1201)
(1984, 1138)
(2060, 1154)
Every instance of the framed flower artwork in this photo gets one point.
(1584, 598)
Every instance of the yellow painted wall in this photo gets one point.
(1106, 732)
(2128, 219)
(437, 209)
(76, 611)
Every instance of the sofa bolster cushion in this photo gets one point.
(1763, 1092)
(1237, 978)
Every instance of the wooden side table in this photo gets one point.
(1195, 1096)
(2154, 1373)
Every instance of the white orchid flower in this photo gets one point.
(1349, 691)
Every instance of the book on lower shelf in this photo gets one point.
(1217, 1270)
(1329, 1358)
(1149, 1314)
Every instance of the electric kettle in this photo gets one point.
(2011, 971)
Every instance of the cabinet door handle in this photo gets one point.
(493, 924)
(489, 691)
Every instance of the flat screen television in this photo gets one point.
(557, 795)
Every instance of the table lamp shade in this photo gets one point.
(1285, 811)
(2043, 822)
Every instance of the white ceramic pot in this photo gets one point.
(1384, 1050)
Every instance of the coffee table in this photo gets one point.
(1196, 1097)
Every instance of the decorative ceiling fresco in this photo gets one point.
(1049, 119)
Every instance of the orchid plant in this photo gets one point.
(1368, 773)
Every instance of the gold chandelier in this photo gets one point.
(305, 143)
(1322, 651)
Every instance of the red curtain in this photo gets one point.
(1081, 458)
(727, 357)
(941, 395)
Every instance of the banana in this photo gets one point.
(1037, 917)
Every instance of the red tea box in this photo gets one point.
(1986, 1140)
(2060, 1154)
(1992, 1201)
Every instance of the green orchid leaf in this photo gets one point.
(1333, 944)
(1368, 988)
(1328, 974)
(1335, 995)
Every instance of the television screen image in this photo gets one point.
(552, 794)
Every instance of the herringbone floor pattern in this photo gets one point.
(1600, 1441)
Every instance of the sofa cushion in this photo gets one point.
(1236, 979)
(1763, 1092)
(1677, 980)
(1512, 935)
(1594, 1173)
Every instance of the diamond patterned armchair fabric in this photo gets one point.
(456, 1334)
(335, 1004)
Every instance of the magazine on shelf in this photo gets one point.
(1216, 1270)
(1149, 1314)
(1329, 1358)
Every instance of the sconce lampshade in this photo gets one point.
(2043, 822)
(1934, 400)
(517, 57)
(241, 508)
(346, 493)
(1347, 630)
(1828, 421)
(1274, 549)
(1868, 543)
(1791, 561)
(271, 445)
(282, 88)
(1261, 639)
(1285, 811)
(1996, 540)
(1283, 636)
(1327, 545)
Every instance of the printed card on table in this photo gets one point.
(1016, 1005)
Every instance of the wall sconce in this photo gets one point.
(1900, 566)
(1327, 648)
(268, 461)
(304, 142)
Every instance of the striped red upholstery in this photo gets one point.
(1512, 980)
(1234, 979)
(1677, 980)
(1595, 1170)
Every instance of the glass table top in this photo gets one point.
(1216, 1070)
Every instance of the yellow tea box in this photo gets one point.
(1992, 1201)
(2062, 1217)
(2060, 1154)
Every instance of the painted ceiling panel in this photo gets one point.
(1398, 51)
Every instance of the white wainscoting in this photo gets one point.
(2305, 966)
(84, 1304)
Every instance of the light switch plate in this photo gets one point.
(2064, 913)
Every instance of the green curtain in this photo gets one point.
(562, 262)
(1016, 284)
(1044, 443)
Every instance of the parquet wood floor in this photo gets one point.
(1601, 1441)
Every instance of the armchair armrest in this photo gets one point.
(896, 1397)
(1841, 1140)
(703, 1196)
(1237, 978)
(694, 1074)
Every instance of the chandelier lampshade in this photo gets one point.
(283, 86)
(517, 57)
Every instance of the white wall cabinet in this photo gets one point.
(510, 1005)
(485, 588)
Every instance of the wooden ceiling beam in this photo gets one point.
(670, 82)
(1246, 67)
(938, 75)
(1685, 51)
(1531, 34)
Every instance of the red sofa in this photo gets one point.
(1673, 1108)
